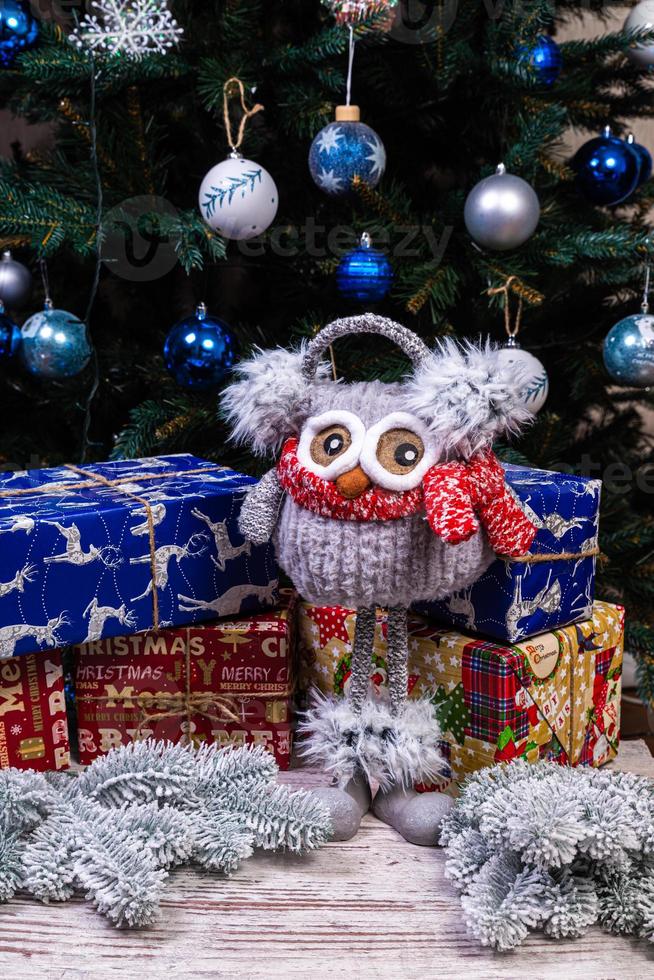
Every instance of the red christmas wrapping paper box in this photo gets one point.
(555, 696)
(228, 682)
(33, 721)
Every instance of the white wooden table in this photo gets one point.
(372, 907)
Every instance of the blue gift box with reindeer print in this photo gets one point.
(555, 586)
(116, 548)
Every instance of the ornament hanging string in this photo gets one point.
(45, 279)
(350, 65)
(644, 306)
(230, 88)
(99, 234)
(512, 328)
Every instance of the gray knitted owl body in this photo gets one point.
(383, 494)
(340, 563)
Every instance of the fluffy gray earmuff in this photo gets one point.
(467, 397)
(462, 392)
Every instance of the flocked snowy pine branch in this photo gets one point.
(134, 28)
(553, 848)
(115, 831)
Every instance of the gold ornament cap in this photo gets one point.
(348, 113)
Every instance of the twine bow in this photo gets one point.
(512, 329)
(186, 703)
(229, 88)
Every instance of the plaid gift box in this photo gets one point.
(556, 696)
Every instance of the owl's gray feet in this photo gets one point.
(416, 816)
(346, 806)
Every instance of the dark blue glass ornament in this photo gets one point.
(607, 169)
(19, 30)
(542, 59)
(644, 159)
(199, 351)
(9, 335)
(629, 351)
(346, 149)
(364, 274)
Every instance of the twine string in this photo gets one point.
(539, 558)
(231, 87)
(512, 329)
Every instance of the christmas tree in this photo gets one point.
(107, 216)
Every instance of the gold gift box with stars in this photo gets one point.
(555, 696)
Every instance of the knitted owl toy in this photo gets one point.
(383, 495)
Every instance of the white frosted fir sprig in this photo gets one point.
(134, 28)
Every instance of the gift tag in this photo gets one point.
(542, 654)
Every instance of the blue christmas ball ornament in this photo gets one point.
(542, 59)
(199, 351)
(364, 274)
(9, 335)
(54, 344)
(629, 351)
(346, 149)
(607, 169)
(19, 30)
(644, 159)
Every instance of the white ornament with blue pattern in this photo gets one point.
(346, 149)
(238, 198)
(528, 370)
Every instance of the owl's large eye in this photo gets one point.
(330, 443)
(400, 450)
(397, 452)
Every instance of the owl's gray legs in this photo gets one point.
(397, 658)
(364, 638)
(337, 736)
(417, 816)
(392, 741)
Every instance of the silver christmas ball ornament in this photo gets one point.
(15, 282)
(641, 18)
(529, 372)
(502, 211)
(629, 351)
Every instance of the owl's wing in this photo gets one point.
(260, 509)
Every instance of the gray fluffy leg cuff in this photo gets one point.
(393, 750)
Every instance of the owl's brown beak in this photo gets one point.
(354, 483)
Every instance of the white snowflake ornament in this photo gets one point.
(134, 28)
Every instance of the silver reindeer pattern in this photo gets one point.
(196, 545)
(46, 635)
(225, 550)
(98, 616)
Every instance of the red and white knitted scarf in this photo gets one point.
(456, 498)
